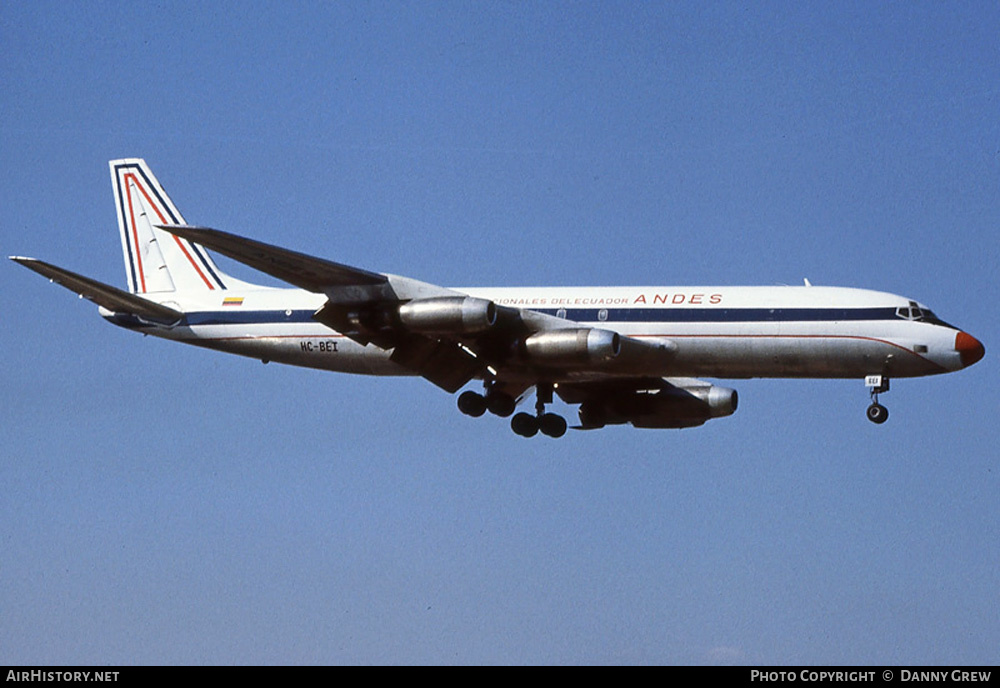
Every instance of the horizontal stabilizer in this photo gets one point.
(307, 272)
(105, 295)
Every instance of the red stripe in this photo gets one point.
(193, 264)
(662, 336)
(135, 235)
(163, 221)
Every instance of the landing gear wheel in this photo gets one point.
(552, 425)
(524, 425)
(877, 413)
(472, 404)
(879, 384)
(500, 404)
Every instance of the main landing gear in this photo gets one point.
(502, 404)
(877, 413)
(550, 424)
(474, 404)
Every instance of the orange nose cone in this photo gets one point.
(969, 348)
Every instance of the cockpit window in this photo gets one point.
(934, 320)
(916, 313)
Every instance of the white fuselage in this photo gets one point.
(722, 332)
(622, 354)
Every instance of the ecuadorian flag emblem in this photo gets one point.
(232, 301)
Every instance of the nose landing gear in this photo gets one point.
(877, 413)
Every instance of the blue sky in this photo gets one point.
(164, 504)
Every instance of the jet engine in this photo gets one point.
(672, 406)
(448, 315)
(572, 347)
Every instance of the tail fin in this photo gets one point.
(156, 261)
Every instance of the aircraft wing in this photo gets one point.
(446, 336)
(304, 271)
(105, 295)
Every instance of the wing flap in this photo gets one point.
(105, 295)
(447, 364)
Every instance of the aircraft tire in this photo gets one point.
(500, 404)
(472, 404)
(552, 425)
(877, 413)
(524, 425)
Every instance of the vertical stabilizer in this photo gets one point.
(157, 261)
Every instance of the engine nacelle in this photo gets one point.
(672, 407)
(571, 347)
(720, 401)
(448, 315)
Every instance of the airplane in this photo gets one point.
(630, 355)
